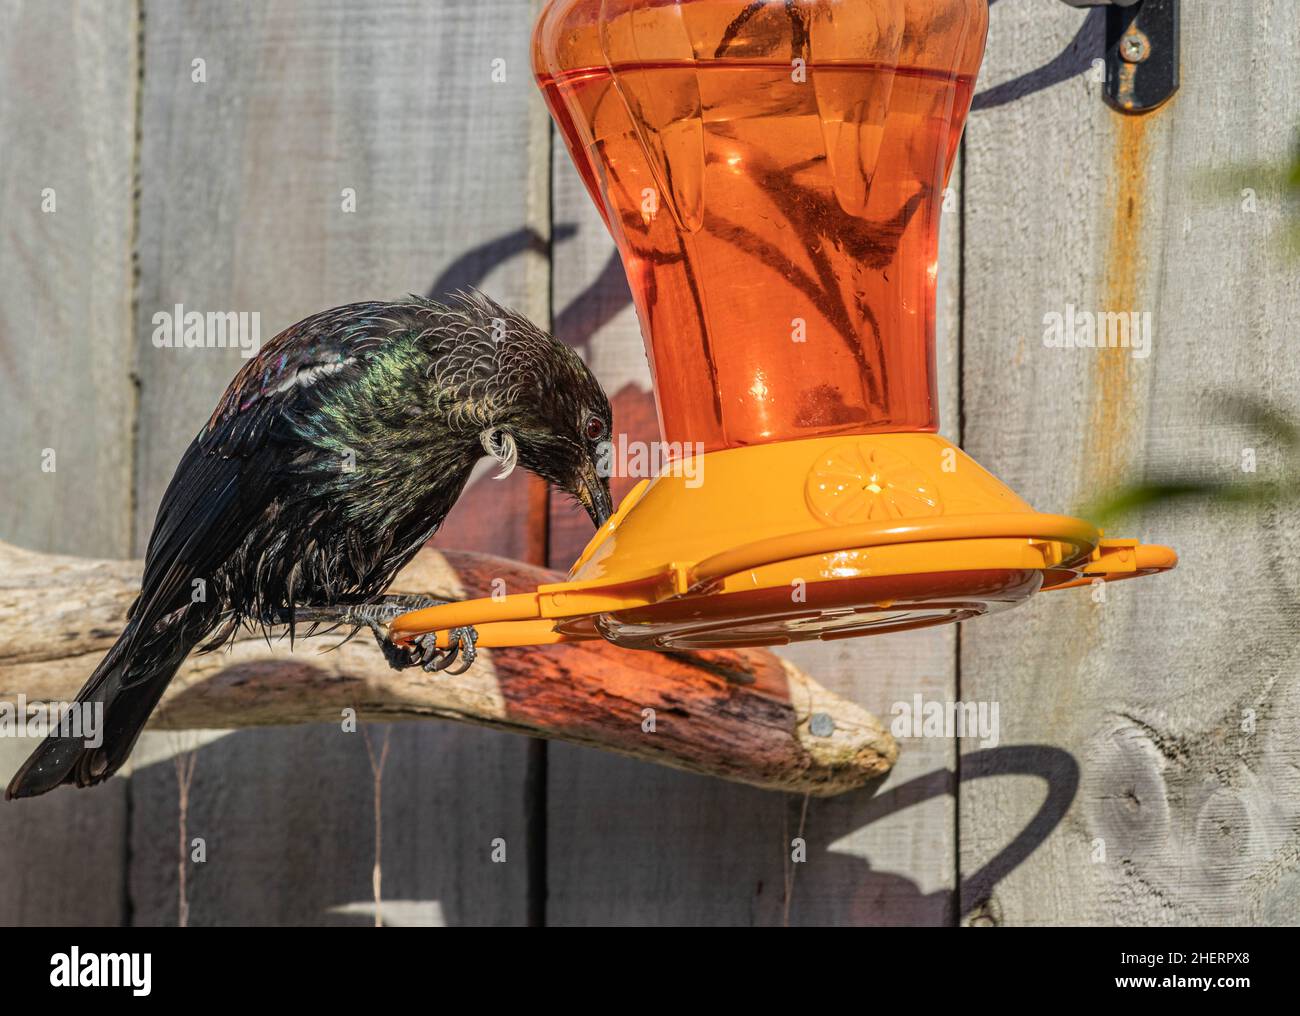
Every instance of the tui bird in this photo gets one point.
(330, 460)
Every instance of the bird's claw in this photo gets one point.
(422, 651)
(398, 657)
(461, 642)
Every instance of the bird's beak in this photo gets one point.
(593, 492)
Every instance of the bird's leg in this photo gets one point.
(376, 615)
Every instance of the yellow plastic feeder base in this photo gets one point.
(825, 538)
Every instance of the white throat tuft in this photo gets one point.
(500, 444)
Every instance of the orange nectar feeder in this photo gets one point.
(772, 175)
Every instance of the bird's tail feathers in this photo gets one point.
(122, 693)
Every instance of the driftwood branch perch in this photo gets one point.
(743, 715)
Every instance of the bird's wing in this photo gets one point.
(333, 342)
(234, 469)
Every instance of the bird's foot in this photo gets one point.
(461, 642)
(377, 616)
(423, 651)
(462, 645)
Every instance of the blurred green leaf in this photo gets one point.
(1281, 179)
(1269, 421)
(1281, 428)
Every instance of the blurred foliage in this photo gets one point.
(1284, 431)
(1269, 422)
(1292, 185)
(1277, 179)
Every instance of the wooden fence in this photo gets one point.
(1147, 772)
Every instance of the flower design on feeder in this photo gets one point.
(866, 483)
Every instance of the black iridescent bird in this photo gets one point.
(331, 459)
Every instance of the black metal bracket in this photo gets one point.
(1141, 52)
(1141, 55)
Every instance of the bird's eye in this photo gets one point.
(594, 428)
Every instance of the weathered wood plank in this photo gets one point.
(67, 107)
(629, 844)
(1183, 814)
(244, 182)
(68, 81)
(1146, 695)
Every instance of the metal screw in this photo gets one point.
(1134, 47)
(821, 724)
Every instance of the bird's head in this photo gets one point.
(548, 412)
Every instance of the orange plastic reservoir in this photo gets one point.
(773, 176)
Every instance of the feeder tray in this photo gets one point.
(859, 537)
(772, 175)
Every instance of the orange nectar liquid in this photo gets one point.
(779, 229)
